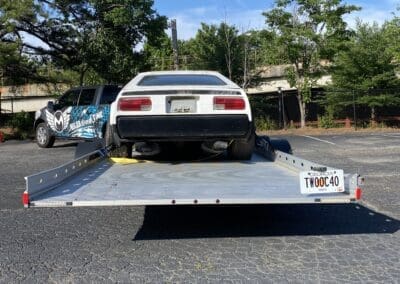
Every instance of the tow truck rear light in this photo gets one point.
(358, 193)
(25, 199)
(229, 103)
(134, 104)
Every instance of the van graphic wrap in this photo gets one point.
(81, 121)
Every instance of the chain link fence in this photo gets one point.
(328, 109)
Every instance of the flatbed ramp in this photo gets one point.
(95, 180)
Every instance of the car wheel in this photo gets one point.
(43, 137)
(242, 150)
(281, 145)
(122, 151)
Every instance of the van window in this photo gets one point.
(86, 97)
(70, 98)
(109, 94)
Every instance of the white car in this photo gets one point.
(183, 106)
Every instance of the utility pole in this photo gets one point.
(354, 111)
(174, 33)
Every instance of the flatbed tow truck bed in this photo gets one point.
(270, 177)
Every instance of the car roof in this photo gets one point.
(133, 83)
(94, 87)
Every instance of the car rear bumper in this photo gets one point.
(183, 127)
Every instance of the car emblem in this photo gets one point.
(58, 121)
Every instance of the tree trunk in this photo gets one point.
(81, 77)
(82, 72)
(302, 108)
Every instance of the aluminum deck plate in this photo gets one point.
(258, 181)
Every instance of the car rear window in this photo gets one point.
(178, 80)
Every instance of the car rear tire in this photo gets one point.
(281, 145)
(43, 137)
(122, 151)
(242, 150)
(108, 136)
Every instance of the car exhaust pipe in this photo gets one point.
(220, 145)
(216, 147)
(145, 149)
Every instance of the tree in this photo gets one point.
(260, 49)
(158, 55)
(366, 67)
(308, 35)
(84, 35)
(392, 32)
(14, 65)
(216, 48)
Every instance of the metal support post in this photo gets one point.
(175, 43)
(354, 111)
(282, 121)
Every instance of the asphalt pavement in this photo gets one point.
(274, 243)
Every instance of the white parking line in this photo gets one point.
(321, 140)
(391, 135)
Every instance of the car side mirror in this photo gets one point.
(50, 105)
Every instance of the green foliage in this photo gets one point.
(391, 31)
(263, 112)
(368, 68)
(308, 35)
(263, 123)
(326, 121)
(159, 56)
(15, 66)
(216, 48)
(22, 123)
(97, 36)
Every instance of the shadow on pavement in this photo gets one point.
(262, 220)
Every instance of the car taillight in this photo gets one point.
(134, 104)
(223, 103)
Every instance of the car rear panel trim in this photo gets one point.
(183, 126)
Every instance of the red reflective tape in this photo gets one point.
(25, 198)
(358, 193)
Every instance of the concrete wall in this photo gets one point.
(27, 104)
(32, 90)
(29, 97)
(270, 85)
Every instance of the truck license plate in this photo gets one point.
(183, 106)
(312, 182)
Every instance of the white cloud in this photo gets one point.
(368, 15)
(189, 20)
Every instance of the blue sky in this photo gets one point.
(246, 14)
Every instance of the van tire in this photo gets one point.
(43, 137)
